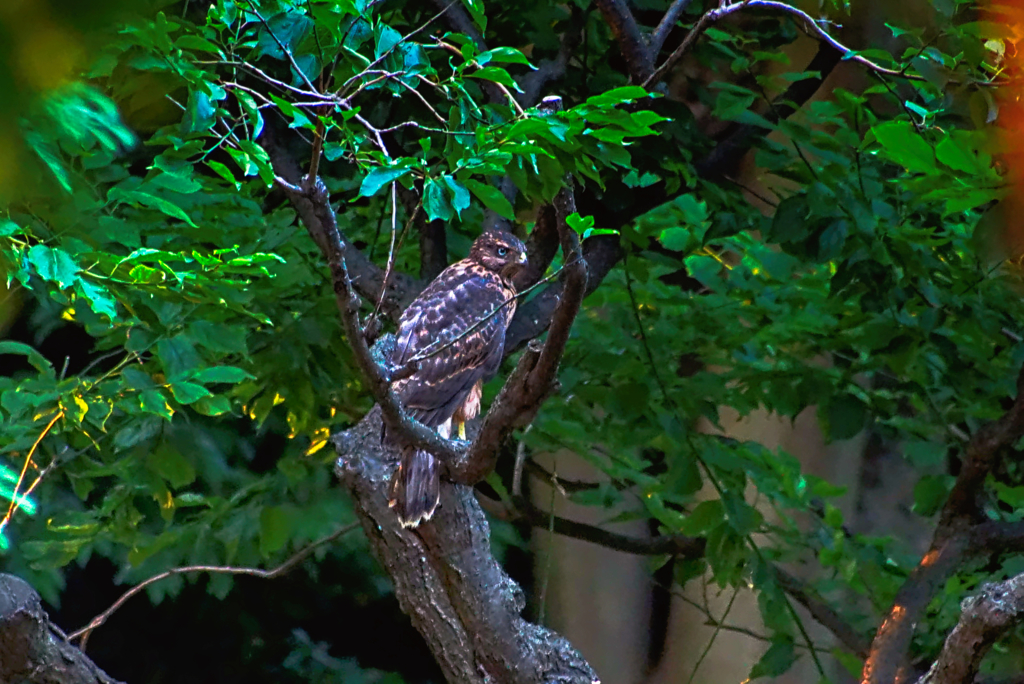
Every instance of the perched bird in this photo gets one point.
(455, 330)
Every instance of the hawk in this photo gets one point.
(455, 330)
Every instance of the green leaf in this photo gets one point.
(137, 197)
(579, 223)
(460, 194)
(677, 239)
(435, 201)
(188, 392)
(54, 265)
(222, 374)
(779, 657)
(153, 401)
(502, 54)
(930, 494)
(617, 96)
(275, 526)
(955, 154)
(213, 406)
(704, 517)
(9, 228)
(171, 464)
(37, 360)
(497, 75)
(902, 144)
(178, 356)
(845, 415)
(491, 197)
(380, 176)
(99, 299)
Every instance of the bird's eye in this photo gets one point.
(502, 251)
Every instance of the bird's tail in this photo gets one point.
(417, 488)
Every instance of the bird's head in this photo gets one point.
(500, 252)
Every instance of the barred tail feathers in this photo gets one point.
(417, 488)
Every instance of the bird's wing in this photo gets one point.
(455, 329)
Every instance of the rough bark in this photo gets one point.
(445, 578)
(984, 619)
(33, 649)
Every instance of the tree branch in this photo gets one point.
(728, 152)
(984, 619)
(366, 278)
(808, 25)
(33, 649)
(535, 375)
(631, 42)
(823, 613)
(666, 25)
(952, 540)
(301, 555)
(445, 578)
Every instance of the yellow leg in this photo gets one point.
(462, 429)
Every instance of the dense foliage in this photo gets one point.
(862, 284)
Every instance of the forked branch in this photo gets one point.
(956, 536)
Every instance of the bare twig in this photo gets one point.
(808, 24)
(284, 567)
(18, 497)
(676, 545)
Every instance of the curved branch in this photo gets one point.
(808, 24)
(955, 536)
(366, 277)
(281, 569)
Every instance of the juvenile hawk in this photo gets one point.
(455, 329)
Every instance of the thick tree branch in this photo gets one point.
(666, 25)
(631, 41)
(601, 253)
(446, 580)
(984, 619)
(366, 278)
(32, 649)
(952, 540)
(729, 151)
(535, 376)
(823, 613)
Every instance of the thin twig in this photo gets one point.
(284, 567)
(17, 498)
(284, 49)
(810, 26)
(391, 249)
